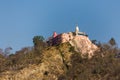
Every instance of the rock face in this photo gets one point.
(84, 45)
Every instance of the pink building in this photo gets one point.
(60, 38)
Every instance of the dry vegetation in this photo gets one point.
(61, 62)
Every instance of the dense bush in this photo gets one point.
(103, 66)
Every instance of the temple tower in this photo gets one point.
(77, 30)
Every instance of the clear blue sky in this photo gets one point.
(21, 20)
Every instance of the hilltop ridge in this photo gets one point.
(66, 56)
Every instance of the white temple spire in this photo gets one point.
(77, 30)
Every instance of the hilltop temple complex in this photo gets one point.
(64, 37)
(79, 40)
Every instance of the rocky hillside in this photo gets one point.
(64, 62)
(54, 63)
